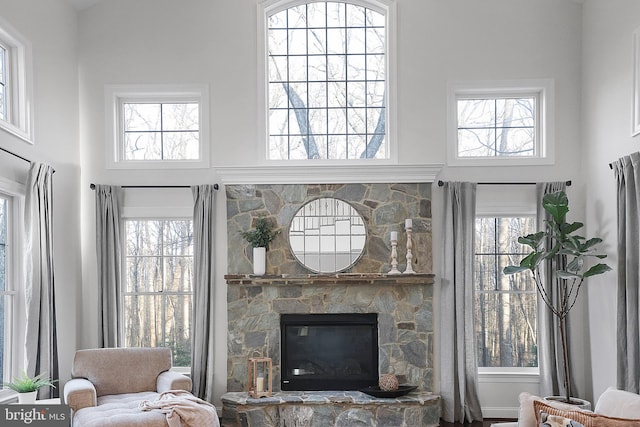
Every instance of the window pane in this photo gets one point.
(334, 52)
(506, 329)
(141, 117)
(476, 142)
(180, 117)
(4, 205)
(142, 146)
(505, 306)
(3, 84)
(495, 127)
(515, 112)
(158, 293)
(177, 330)
(181, 146)
(163, 131)
(144, 237)
(515, 142)
(144, 274)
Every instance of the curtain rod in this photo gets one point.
(568, 183)
(15, 155)
(215, 186)
(19, 156)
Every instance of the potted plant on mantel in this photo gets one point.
(559, 242)
(259, 238)
(27, 387)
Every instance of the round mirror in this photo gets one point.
(327, 235)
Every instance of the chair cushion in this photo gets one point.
(121, 410)
(618, 403)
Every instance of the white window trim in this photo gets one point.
(116, 95)
(545, 126)
(505, 201)
(20, 83)
(17, 318)
(268, 7)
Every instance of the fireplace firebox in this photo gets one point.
(337, 351)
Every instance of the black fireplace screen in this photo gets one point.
(329, 351)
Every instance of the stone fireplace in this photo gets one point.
(402, 304)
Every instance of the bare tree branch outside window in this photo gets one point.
(327, 87)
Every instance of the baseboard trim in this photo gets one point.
(500, 412)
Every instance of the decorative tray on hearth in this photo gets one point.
(377, 392)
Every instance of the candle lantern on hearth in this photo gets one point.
(259, 376)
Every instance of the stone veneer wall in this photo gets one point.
(384, 208)
(404, 304)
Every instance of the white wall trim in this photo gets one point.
(324, 174)
(500, 412)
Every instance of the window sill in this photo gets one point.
(8, 396)
(182, 370)
(506, 375)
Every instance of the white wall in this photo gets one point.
(214, 42)
(200, 41)
(50, 27)
(607, 85)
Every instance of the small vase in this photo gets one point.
(27, 398)
(259, 261)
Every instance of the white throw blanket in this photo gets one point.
(183, 409)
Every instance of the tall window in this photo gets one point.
(157, 126)
(8, 277)
(158, 287)
(3, 83)
(327, 88)
(16, 108)
(505, 306)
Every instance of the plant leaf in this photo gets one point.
(557, 204)
(567, 275)
(513, 269)
(531, 240)
(597, 269)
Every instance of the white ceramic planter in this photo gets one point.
(27, 398)
(259, 261)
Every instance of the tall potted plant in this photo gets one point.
(558, 241)
(259, 238)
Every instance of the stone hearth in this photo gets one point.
(330, 408)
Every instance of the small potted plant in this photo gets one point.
(259, 238)
(27, 387)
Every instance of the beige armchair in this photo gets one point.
(110, 384)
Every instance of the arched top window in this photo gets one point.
(327, 80)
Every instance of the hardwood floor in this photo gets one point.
(486, 423)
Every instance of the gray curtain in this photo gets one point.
(202, 356)
(108, 250)
(41, 347)
(458, 359)
(549, 344)
(627, 172)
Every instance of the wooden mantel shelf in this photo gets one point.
(331, 279)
